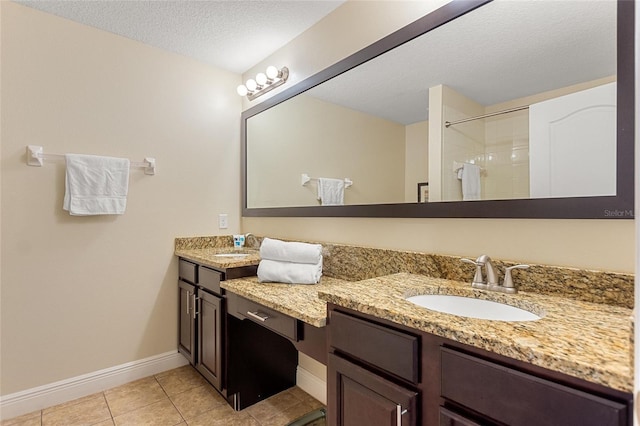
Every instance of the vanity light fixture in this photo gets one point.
(264, 82)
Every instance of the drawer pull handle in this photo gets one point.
(258, 315)
(196, 311)
(399, 412)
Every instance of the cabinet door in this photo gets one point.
(186, 319)
(360, 397)
(209, 338)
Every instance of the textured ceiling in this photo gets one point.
(233, 35)
(502, 51)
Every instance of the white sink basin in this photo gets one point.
(231, 255)
(472, 308)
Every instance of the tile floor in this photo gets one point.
(175, 397)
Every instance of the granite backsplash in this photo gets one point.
(354, 263)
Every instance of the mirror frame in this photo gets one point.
(619, 206)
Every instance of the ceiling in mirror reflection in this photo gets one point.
(501, 51)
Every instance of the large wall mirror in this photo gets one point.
(480, 109)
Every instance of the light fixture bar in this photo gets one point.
(262, 84)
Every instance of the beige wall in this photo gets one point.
(80, 294)
(353, 25)
(321, 139)
(592, 244)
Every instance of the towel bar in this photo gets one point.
(36, 157)
(305, 178)
(458, 165)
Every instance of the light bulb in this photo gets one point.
(272, 72)
(242, 90)
(261, 79)
(251, 85)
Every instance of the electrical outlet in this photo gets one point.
(223, 221)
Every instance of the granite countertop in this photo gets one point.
(296, 300)
(586, 340)
(582, 339)
(209, 256)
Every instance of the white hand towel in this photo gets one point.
(289, 273)
(96, 185)
(470, 182)
(331, 192)
(290, 251)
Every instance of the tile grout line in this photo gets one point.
(142, 406)
(297, 400)
(170, 400)
(113, 420)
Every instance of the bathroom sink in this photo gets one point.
(472, 308)
(231, 255)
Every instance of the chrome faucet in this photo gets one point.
(483, 261)
(492, 283)
(492, 276)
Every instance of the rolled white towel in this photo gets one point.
(290, 251)
(291, 273)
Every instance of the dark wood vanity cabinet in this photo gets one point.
(402, 376)
(506, 395)
(372, 374)
(186, 321)
(202, 318)
(264, 360)
(209, 338)
(364, 398)
(271, 319)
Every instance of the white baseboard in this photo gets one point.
(30, 400)
(311, 384)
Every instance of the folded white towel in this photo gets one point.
(331, 192)
(290, 251)
(470, 182)
(289, 273)
(96, 185)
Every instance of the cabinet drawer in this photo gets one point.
(209, 279)
(449, 418)
(187, 271)
(260, 314)
(516, 398)
(388, 349)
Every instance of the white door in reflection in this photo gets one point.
(572, 144)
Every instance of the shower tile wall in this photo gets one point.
(506, 157)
